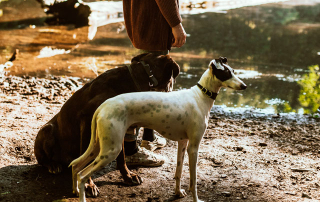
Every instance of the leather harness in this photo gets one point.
(153, 82)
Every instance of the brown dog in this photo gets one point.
(67, 135)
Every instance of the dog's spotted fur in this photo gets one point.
(180, 116)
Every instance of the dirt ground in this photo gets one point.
(243, 157)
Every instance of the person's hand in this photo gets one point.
(179, 35)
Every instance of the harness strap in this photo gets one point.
(153, 82)
(207, 92)
(134, 80)
(149, 72)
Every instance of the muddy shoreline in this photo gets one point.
(244, 156)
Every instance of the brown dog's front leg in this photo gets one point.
(91, 189)
(129, 177)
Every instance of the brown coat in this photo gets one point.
(149, 23)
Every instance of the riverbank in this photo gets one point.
(243, 156)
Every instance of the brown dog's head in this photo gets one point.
(164, 69)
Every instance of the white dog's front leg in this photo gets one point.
(182, 145)
(193, 160)
(81, 186)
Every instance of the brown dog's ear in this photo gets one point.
(175, 69)
(138, 57)
(171, 69)
(45, 143)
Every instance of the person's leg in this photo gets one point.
(131, 147)
(130, 141)
(148, 134)
(139, 156)
(136, 155)
(152, 141)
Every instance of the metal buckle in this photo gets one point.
(152, 80)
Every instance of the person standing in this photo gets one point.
(153, 26)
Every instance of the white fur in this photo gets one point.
(181, 116)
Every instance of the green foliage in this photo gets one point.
(310, 90)
(285, 107)
(283, 16)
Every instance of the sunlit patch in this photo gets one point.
(247, 74)
(220, 6)
(187, 75)
(274, 101)
(5, 66)
(49, 52)
(291, 78)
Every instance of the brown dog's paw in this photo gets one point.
(132, 179)
(55, 168)
(91, 190)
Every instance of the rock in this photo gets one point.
(276, 116)
(216, 162)
(300, 169)
(226, 194)
(304, 195)
(67, 12)
(238, 148)
(252, 133)
(290, 193)
(263, 144)
(295, 152)
(244, 195)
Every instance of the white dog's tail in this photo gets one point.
(94, 140)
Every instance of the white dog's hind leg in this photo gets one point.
(110, 141)
(93, 153)
(182, 145)
(105, 156)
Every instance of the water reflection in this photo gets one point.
(270, 46)
(269, 35)
(275, 44)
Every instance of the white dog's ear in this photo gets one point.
(215, 64)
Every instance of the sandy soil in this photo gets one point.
(243, 157)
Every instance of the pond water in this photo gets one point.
(271, 46)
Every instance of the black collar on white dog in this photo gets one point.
(209, 93)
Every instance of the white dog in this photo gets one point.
(180, 116)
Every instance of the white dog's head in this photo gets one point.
(225, 74)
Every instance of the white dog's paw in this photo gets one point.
(181, 193)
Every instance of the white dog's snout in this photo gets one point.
(235, 83)
(243, 86)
